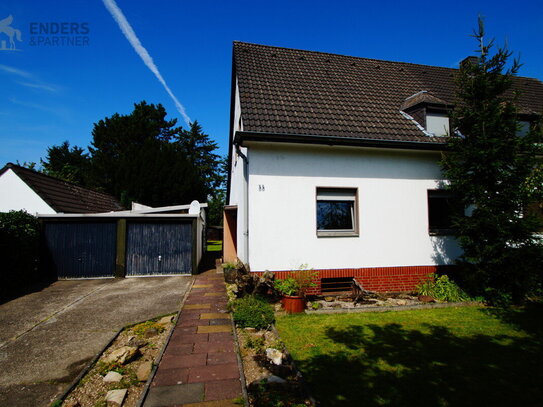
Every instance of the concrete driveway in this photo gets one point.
(47, 337)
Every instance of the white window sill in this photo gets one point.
(336, 233)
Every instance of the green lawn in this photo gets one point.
(465, 356)
(214, 245)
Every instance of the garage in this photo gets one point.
(141, 242)
(81, 249)
(158, 248)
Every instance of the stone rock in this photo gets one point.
(426, 298)
(144, 370)
(335, 305)
(122, 355)
(329, 299)
(277, 307)
(401, 302)
(113, 377)
(150, 332)
(275, 356)
(72, 403)
(115, 398)
(166, 320)
(276, 380)
(136, 342)
(249, 329)
(269, 336)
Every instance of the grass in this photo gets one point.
(214, 245)
(464, 356)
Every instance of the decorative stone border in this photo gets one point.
(395, 308)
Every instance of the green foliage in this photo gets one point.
(19, 250)
(494, 173)
(140, 329)
(229, 266)
(432, 357)
(210, 167)
(56, 403)
(68, 164)
(134, 158)
(287, 286)
(256, 343)
(103, 368)
(297, 282)
(442, 289)
(252, 312)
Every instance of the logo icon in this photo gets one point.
(11, 32)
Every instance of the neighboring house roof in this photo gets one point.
(306, 93)
(64, 196)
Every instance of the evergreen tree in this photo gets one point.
(493, 172)
(133, 159)
(69, 164)
(199, 148)
(218, 198)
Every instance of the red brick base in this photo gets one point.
(393, 279)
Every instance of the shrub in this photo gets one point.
(19, 250)
(297, 282)
(252, 312)
(442, 289)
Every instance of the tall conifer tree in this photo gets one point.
(493, 171)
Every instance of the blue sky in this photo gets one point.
(49, 94)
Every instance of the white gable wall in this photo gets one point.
(238, 186)
(392, 208)
(15, 194)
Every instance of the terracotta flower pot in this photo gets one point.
(293, 303)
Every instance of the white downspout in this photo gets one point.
(246, 196)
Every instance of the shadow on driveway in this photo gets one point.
(47, 337)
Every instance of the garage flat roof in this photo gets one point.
(117, 215)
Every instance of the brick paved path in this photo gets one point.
(199, 367)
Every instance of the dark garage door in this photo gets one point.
(158, 248)
(81, 250)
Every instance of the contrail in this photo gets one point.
(130, 35)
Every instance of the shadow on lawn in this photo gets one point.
(390, 365)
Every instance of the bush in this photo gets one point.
(297, 282)
(442, 289)
(252, 312)
(19, 251)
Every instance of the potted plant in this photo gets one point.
(294, 288)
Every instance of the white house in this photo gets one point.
(334, 164)
(24, 189)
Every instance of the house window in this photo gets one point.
(437, 124)
(336, 212)
(523, 128)
(441, 208)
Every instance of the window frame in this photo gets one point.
(445, 195)
(354, 232)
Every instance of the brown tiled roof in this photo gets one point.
(422, 97)
(295, 92)
(64, 196)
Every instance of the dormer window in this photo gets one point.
(523, 128)
(437, 123)
(429, 112)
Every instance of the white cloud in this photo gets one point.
(34, 84)
(16, 71)
(41, 86)
(132, 38)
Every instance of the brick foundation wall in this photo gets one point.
(393, 279)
